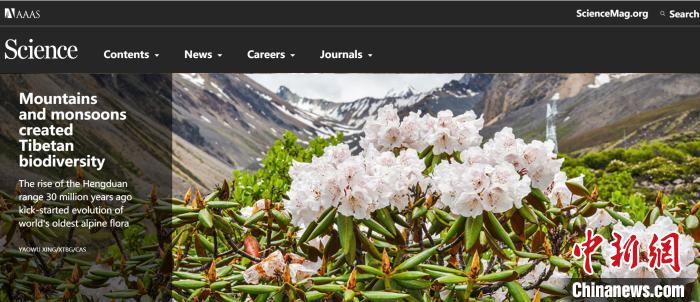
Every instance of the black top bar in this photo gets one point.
(392, 36)
(341, 13)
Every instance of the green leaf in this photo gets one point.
(416, 259)
(472, 227)
(370, 269)
(695, 295)
(529, 255)
(176, 209)
(419, 212)
(322, 226)
(104, 273)
(43, 279)
(408, 275)
(217, 204)
(329, 288)
(189, 284)
(122, 294)
(413, 284)
(383, 296)
(441, 268)
(205, 218)
(256, 289)
(456, 227)
(544, 218)
(577, 189)
(223, 224)
(385, 219)
(498, 276)
(370, 248)
(314, 295)
(375, 226)
(452, 279)
(517, 293)
(653, 215)
(527, 213)
(348, 295)
(521, 269)
(625, 221)
(307, 232)
(208, 245)
(560, 262)
(281, 217)
(346, 232)
(548, 289)
(219, 285)
(186, 275)
(253, 219)
(500, 231)
(537, 199)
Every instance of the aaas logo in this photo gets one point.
(12, 13)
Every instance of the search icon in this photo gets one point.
(663, 13)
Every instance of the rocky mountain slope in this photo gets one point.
(611, 110)
(234, 119)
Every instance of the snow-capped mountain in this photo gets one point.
(234, 119)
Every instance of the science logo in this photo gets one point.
(12, 13)
(16, 49)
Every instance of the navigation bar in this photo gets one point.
(351, 50)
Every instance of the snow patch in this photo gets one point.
(195, 78)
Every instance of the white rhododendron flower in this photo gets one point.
(661, 227)
(558, 280)
(558, 192)
(536, 159)
(602, 218)
(274, 266)
(356, 184)
(445, 132)
(469, 189)
(384, 131)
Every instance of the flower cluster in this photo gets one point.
(536, 159)
(492, 178)
(445, 132)
(356, 184)
(470, 188)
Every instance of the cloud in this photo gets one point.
(351, 86)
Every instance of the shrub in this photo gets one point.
(634, 204)
(270, 181)
(617, 182)
(615, 166)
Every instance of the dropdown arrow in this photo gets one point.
(292, 54)
(156, 54)
(218, 54)
(369, 54)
